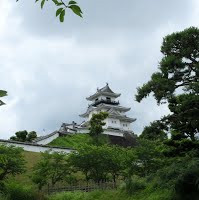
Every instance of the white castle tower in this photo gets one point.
(104, 100)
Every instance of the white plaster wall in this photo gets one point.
(111, 122)
(37, 149)
(91, 114)
(48, 140)
(126, 128)
(83, 130)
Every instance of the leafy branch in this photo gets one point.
(2, 94)
(72, 5)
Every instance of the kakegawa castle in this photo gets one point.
(118, 125)
(104, 100)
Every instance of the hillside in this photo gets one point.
(76, 140)
(31, 159)
(72, 141)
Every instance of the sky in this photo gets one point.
(49, 68)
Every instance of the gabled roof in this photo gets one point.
(114, 112)
(106, 90)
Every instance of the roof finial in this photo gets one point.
(97, 89)
(107, 83)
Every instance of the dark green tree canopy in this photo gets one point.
(179, 67)
(24, 136)
(11, 161)
(177, 82)
(185, 115)
(96, 126)
(155, 131)
(52, 168)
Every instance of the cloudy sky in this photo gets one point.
(49, 68)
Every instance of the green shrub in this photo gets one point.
(186, 186)
(16, 191)
(3, 197)
(67, 196)
(135, 184)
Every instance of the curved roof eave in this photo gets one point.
(113, 106)
(90, 98)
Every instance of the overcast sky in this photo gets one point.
(49, 68)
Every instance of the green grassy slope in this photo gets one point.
(72, 141)
(31, 159)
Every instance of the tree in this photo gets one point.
(52, 168)
(3, 93)
(154, 131)
(184, 118)
(31, 136)
(177, 82)
(62, 6)
(11, 161)
(97, 162)
(96, 125)
(24, 136)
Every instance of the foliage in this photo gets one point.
(152, 194)
(62, 6)
(17, 191)
(95, 195)
(52, 168)
(96, 125)
(146, 158)
(180, 147)
(184, 118)
(154, 131)
(11, 161)
(3, 93)
(177, 82)
(179, 68)
(96, 162)
(134, 184)
(24, 136)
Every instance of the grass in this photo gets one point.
(31, 159)
(112, 195)
(71, 141)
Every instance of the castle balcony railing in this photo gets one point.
(106, 101)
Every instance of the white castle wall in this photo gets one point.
(48, 139)
(34, 147)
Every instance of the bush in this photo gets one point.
(186, 186)
(135, 184)
(16, 191)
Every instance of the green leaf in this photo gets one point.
(57, 3)
(36, 1)
(3, 93)
(58, 11)
(61, 16)
(76, 9)
(42, 3)
(72, 2)
(1, 103)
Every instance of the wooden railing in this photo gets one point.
(91, 186)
